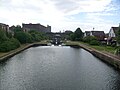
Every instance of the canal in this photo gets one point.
(57, 68)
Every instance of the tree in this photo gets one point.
(78, 34)
(92, 40)
(3, 36)
(37, 36)
(23, 37)
(118, 41)
(17, 28)
(72, 37)
(118, 35)
(9, 44)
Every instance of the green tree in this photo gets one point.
(78, 34)
(87, 39)
(92, 40)
(9, 34)
(23, 37)
(118, 35)
(72, 37)
(9, 44)
(118, 41)
(37, 36)
(3, 36)
(15, 43)
(17, 28)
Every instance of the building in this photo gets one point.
(112, 35)
(4, 27)
(87, 33)
(38, 27)
(68, 32)
(113, 31)
(100, 35)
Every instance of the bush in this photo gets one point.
(3, 36)
(23, 37)
(86, 39)
(15, 42)
(94, 42)
(36, 36)
(9, 45)
(5, 46)
(91, 40)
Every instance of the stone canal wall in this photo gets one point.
(106, 57)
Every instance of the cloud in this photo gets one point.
(70, 7)
(60, 14)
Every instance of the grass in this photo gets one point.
(104, 48)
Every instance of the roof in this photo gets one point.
(98, 33)
(115, 29)
(87, 33)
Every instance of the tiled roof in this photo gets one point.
(98, 33)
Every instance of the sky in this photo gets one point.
(62, 15)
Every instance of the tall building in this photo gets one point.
(38, 27)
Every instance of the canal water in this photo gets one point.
(57, 68)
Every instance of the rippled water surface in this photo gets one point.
(57, 68)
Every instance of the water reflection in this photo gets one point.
(57, 68)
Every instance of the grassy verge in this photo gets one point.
(105, 48)
(108, 49)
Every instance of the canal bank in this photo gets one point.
(7, 55)
(104, 56)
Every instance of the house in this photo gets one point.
(38, 27)
(87, 33)
(113, 31)
(68, 32)
(4, 27)
(100, 35)
(112, 35)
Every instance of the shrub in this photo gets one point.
(88, 39)
(3, 36)
(94, 42)
(15, 42)
(36, 36)
(23, 37)
(8, 45)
